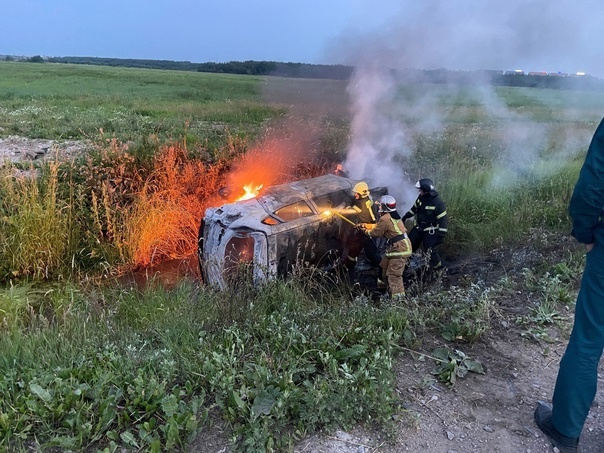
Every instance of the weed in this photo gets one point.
(453, 365)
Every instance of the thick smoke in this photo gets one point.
(532, 35)
(378, 137)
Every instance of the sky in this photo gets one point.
(534, 35)
(185, 30)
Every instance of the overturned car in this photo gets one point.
(283, 225)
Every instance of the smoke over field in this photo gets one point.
(538, 35)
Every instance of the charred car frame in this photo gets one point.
(283, 225)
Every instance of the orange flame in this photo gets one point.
(250, 192)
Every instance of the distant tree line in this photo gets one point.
(128, 63)
(500, 78)
(341, 72)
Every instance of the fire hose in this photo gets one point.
(344, 218)
(356, 225)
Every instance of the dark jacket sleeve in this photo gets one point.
(587, 202)
(441, 216)
(411, 212)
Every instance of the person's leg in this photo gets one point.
(431, 244)
(382, 281)
(394, 272)
(354, 246)
(577, 379)
(371, 251)
(415, 236)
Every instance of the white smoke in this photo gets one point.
(534, 35)
(378, 136)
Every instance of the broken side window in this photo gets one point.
(270, 221)
(294, 211)
(332, 200)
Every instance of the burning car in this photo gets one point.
(281, 226)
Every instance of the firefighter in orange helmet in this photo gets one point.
(367, 216)
(398, 250)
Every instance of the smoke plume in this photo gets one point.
(533, 35)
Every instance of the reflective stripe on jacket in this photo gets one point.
(430, 213)
(366, 210)
(389, 228)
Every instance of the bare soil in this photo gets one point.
(21, 149)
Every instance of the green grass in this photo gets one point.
(144, 369)
(75, 101)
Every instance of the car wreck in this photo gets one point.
(300, 222)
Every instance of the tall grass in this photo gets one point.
(165, 215)
(483, 216)
(36, 224)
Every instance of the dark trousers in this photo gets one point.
(430, 243)
(357, 243)
(578, 376)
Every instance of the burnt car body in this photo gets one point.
(283, 225)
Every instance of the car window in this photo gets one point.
(332, 200)
(270, 221)
(294, 211)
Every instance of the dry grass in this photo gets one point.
(165, 216)
(34, 223)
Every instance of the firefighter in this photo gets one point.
(398, 245)
(366, 211)
(430, 221)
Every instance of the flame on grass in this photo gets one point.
(164, 219)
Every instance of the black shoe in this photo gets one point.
(543, 418)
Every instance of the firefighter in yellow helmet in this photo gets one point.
(367, 215)
(398, 245)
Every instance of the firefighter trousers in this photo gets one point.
(393, 271)
(430, 243)
(578, 376)
(357, 243)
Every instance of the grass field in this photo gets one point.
(71, 101)
(94, 366)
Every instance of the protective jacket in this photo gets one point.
(430, 213)
(366, 210)
(398, 244)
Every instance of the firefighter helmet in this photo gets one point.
(361, 188)
(425, 184)
(387, 204)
